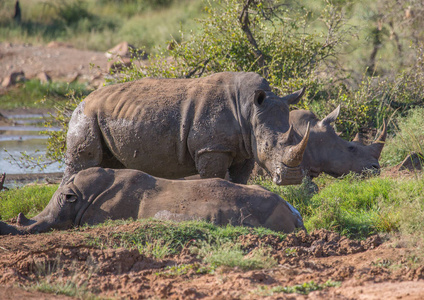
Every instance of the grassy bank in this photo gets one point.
(351, 206)
(35, 94)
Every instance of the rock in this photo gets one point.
(73, 77)
(13, 78)
(412, 162)
(122, 50)
(125, 50)
(56, 44)
(44, 77)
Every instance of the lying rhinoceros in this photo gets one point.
(95, 195)
(327, 152)
(173, 128)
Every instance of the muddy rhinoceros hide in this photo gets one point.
(173, 128)
(95, 195)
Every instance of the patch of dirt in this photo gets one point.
(61, 62)
(366, 269)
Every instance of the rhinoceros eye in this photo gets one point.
(69, 197)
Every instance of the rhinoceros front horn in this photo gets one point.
(378, 145)
(294, 155)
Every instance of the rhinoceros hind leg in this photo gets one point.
(84, 144)
(213, 164)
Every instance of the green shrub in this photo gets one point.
(257, 36)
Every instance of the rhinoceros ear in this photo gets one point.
(295, 97)
(331, 117)
(259, 98)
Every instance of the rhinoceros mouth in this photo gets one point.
(285, 175)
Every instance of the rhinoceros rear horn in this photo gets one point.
(295, 97)
(295, 154)
(378, 145)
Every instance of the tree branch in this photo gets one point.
(3, 178)
(244, 22)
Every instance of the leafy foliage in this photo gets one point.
(258, 36)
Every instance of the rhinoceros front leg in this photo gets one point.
(240, 173)
(213, 164)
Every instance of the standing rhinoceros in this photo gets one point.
(327, 152)
(174, 128)
(95, 195)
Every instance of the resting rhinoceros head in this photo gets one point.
(60, 213)
(328, 153)
(274, 144)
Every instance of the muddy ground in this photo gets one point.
(377, 268)
(370, 269)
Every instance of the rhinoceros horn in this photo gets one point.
(293, 157)
(378, 145)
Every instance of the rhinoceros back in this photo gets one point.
(159, 125)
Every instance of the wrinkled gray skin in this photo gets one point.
(95, 195)
(173, 128)
(327, 153)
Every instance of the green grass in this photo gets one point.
(98, 24)
(29, 200)
(358, 207)
(303, 289)
(158, 237)
(408, 137)
(183, 269)
(68, 288)
(34, 94)
(231, 254)
(352, 206)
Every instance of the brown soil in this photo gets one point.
(60, 61)
(366, 269)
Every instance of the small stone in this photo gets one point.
(13, 78)
(44, 77)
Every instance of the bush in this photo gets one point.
(257, 36)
